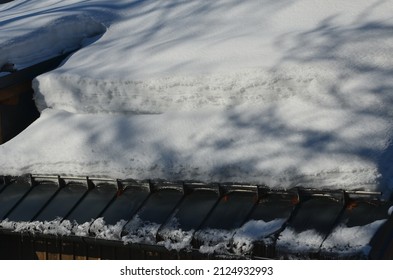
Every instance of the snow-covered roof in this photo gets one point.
(211, 219)
(282, 93)
(277, 93)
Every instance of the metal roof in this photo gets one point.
(197, 208)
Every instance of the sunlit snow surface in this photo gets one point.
(282, 93)
(276, 92)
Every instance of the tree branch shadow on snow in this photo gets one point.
(192, 13)
(363, 89)
(345, 46)
(159, 28)
(324, 43)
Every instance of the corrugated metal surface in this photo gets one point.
(189, 207)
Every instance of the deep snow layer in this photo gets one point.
(276, 92)
(239, 144)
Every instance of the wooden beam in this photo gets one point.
(10, 95)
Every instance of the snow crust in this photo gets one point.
(276, 92)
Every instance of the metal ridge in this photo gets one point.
(222, 187)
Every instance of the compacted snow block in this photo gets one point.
(57, 217)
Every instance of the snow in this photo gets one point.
(282, 93)
(175, 238)
(56, 227)
(351, 240)
(390, 211)
(55, 37)
(253, 230)
(61, 227)
(140, 231)
(239, 241)
(104, 231)
(293, 243)
(342, 242)
(209, 91)
(233, 147)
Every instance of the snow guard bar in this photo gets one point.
(56, 217)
